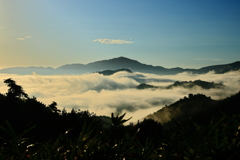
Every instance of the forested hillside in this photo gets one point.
(198, 107)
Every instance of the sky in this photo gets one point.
(168, 33)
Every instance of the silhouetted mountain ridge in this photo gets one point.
(219, 68)
(190, 84)
(146, 86)
(111, 72)
(118, 63)
(184, 84)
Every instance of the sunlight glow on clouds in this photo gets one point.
(27, 36)
(2, 28)
(117, 93)
(111, 41)
(21, 39)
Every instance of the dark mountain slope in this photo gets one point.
(111, 72)
(184, 108)
(219, 68)
(146, 86)
(200, 108)
(190, 84)
(185, 84)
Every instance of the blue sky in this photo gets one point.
(186, 33)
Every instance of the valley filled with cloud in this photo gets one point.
(117, 93)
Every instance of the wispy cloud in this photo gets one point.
(111, 41)
(21, 39)
(217, 59)
(2, 28)
(27, 36)
(207, 59)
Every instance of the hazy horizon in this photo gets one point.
(118, 57)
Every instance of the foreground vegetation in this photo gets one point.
(30, 129)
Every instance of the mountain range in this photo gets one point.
(116, 64)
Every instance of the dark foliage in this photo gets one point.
(20, 111)
(149, 129)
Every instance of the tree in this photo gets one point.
(53, 107)
(118, 121)
(14, 89)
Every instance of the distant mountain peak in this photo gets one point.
(121, 58)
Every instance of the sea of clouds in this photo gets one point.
(117, 93)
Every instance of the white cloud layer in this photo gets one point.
(111, 41)
(116, 93)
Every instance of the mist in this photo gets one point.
(117, 93)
